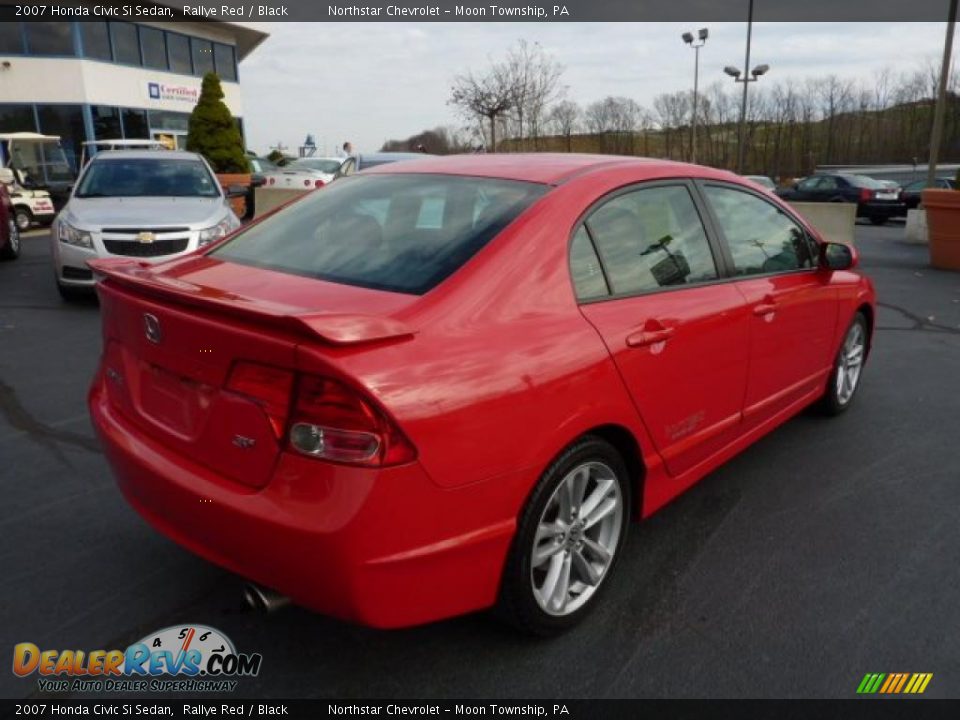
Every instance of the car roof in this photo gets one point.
(318, 157)
(546, 168)
(145, 154)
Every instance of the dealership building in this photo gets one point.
(94, 80)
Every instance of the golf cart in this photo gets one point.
(92, 147)
(38, 163)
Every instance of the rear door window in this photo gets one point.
(401, 233)
(651, 238)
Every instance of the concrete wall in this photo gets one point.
(834, 221)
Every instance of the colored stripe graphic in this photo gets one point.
(894, 683)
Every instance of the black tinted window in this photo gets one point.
(761, 237)
(178, 50)
(50, 38)
(403, 233)
(11, 41)
(651, 238)
(154, 48)
(202, 52)
(126, 45)
(226, 68)
(96, 40)
(588, 280)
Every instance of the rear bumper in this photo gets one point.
(384, 548)
(880, 208)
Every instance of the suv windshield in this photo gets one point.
(147, 177)
(325, 166)
(402, 233)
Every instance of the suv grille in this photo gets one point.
(138, 249)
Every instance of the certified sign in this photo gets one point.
(173, 93)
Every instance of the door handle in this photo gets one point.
(643, 338)
(767, 306)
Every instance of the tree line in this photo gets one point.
(519, 103)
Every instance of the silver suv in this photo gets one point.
(151, 205)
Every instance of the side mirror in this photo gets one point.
(838, 256)
(6, 176)
(236, 191)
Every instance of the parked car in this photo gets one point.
(763, 181)
(29, 206)
(441, 386)
(147, 204)
(309, 172)
(9, 232)
(874, 202)
(910, 194)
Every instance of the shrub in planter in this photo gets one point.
(213, 133)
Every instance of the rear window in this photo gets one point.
(862, 181)
(325, 166)
(401, 233)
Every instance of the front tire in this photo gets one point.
(568, 539)
(23, 218)
(847, 368)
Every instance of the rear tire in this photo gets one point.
(575, 523)
(847, 368)
(11, 251)
(73, 294)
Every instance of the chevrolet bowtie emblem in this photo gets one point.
(146, 237)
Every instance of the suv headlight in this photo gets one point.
(212, 234)
(72, 236)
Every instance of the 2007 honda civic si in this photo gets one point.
(451, 384)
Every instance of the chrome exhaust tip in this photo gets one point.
(263, 599)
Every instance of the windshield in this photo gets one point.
(402, 233)
(147, 177)
(325, 166)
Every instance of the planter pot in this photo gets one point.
(226, 180)
(943, 224)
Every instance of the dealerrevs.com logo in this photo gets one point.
(180, 658)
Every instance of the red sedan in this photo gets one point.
(451, 384)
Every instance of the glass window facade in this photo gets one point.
(121, 42)
(67, 122)
(17, 118)
(50, 38)
(95, 39)
(126, 45)
(153, 48)
(202, 52)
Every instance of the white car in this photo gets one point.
(308, 173)
(151, 205)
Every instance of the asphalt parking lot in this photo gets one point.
(828, 550)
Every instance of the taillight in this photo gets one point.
(333, 422)
(318, 183)
(267, 386)
(270, 181)
(866, 194)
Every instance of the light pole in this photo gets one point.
(937, 131)
(746, 80)
(696, 44)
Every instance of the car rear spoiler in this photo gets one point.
(333, 328)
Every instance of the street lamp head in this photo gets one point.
(760, 70)
(704, 32)
(732, 71)
(688, 38)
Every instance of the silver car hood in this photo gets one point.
(142, 212)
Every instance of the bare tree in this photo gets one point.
(564, 118)
(489, 96)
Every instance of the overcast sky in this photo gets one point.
(368, 82)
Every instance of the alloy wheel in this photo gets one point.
(576, 538)
(850, 363)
